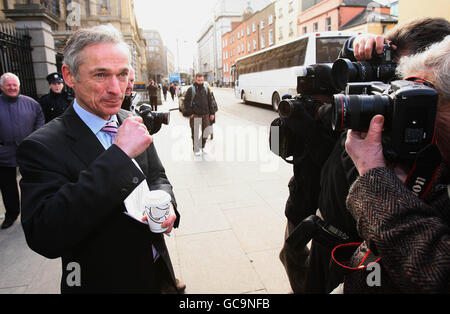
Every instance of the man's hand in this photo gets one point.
(211, 117)
(363, 46)
(367, 153)
(170, 220)
(133, 137)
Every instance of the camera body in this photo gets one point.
(313, 227)
(300, 110)
(380, 68)
(153, 120)
(409, 109)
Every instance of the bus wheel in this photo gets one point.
(244, 97)
(275, 101)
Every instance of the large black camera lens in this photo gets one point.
(356, 111)
(286, 108)
(344, 71)
(152, 119)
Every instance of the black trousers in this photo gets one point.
(10, 191)
(154, 102)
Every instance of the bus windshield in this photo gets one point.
(327, 49)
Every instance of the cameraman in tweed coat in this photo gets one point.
(410, 235)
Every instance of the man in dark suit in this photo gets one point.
(57, 100)
(77, 174)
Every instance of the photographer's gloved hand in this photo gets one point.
(363, 46)
(367, 153)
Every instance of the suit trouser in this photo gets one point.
(10, 191)
(295, 262)
(154, 102)
(196, 122)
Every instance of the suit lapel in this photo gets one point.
(85, 144)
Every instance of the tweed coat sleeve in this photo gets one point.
(411, 236)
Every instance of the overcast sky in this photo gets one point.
(175, 19)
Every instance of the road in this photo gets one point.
(256, 113)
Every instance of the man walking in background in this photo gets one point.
(200, 105)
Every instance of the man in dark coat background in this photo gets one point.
(57, 100)
(20, 115)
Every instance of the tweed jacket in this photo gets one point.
(412, 236)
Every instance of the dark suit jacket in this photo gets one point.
(72, 207)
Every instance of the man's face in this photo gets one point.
(199, 80)
(102, 79)
(57, 87)
(10, 87)
(130, 84)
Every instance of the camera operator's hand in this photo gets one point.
(363, 46)
(133, 137)
(367, 153)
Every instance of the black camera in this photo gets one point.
(313, 227)
(409, 109)
(297, 112)
(379, 68)
(153, 120)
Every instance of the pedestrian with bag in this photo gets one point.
(200, 105)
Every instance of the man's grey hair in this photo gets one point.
(435, 59)
(90, 36)
(7, 76)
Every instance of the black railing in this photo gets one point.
(15, 57)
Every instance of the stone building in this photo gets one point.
(255, 32)
(51, 22)
(210, 40)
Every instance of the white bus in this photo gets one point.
(266, 75)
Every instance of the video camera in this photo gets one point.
(409, 109)
(153, 120)
(380, 68)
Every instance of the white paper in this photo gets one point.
(133, 203)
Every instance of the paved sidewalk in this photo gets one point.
(232, 215)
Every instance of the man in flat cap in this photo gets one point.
(56, 102)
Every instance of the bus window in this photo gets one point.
(327, 49)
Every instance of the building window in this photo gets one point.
(249, 47)
(291, 6)
(280, 31)
(270, 19)
(263, 41)
(254, 27)
(280, 13)
(305, 30)
(316, 27)
(262, 24)
(88, 7)
(254, 44)
(328, 24)
(291, 28)
(270, 37)
(384, 29)
(248, 30)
